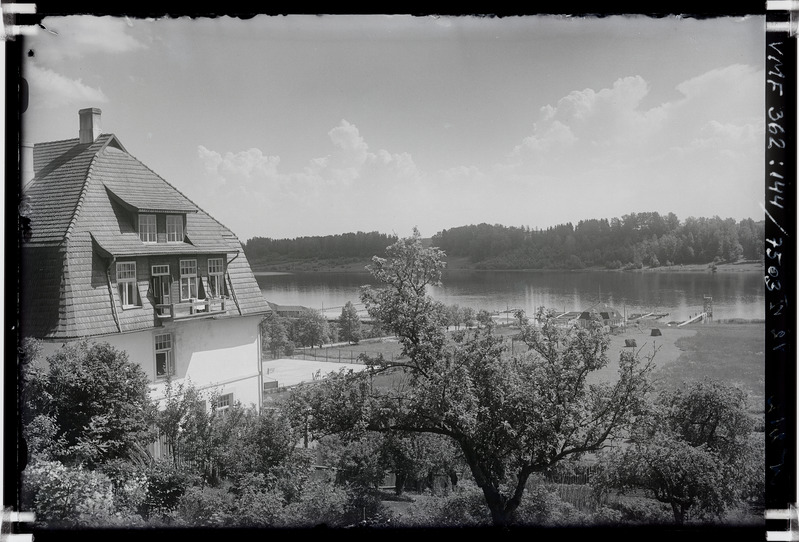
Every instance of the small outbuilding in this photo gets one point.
(655, 332)
(602, 313)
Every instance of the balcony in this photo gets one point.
(196, 308)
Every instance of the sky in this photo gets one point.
(302, 125)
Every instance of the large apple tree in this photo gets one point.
(510, 415)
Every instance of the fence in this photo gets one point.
(162, 449)
(332, 355)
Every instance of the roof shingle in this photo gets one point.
(82, 199)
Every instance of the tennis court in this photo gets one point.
(290, 372)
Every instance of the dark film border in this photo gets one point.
(780, 268)
(780, 338)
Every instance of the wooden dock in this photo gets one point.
(698, 317)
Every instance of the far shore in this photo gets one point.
(463, 264)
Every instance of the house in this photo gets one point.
(117, 254)
(607, 316)
(288, 311)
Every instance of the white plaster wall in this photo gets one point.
(215, 355)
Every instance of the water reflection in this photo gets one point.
(735, 295)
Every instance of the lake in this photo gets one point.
(735, 295)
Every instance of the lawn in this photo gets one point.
(732, 352)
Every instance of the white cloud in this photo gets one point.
(352, 186)
(49, 89)
(593, 153)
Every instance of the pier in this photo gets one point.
(698, 317)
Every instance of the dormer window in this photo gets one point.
(147, 229)
(174, 228)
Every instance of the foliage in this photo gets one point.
(697, 453)
(358, 461)
(64, 496)
(166, 485)
(309, 329)
(510, 415)
(206, 507)
(323, 504)
(543, 507)
(274, 335)
(463, 507)
(129, 485)
(358, 244)
(182, 402)
(88, 399)
(420, 456)
(641, 511)
(257, 505)
(265, 446)
(630, 240)
(349, 324)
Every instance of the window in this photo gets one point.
(164, 362)
(174, 228)
(126, 281)
(223, 403)
(147, 232)
(161, 286)
(216, 277)
(188, 280)
(160, 270)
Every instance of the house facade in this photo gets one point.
(117, 254)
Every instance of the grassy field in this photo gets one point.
(731, 352)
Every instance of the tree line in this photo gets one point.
(346, 245)
(280, 335)
(632, 241)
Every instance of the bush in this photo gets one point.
(65, 496)
(605, 515)
(542, 506)
(258, 506)
(166, 484)
(463, 507)
(129, 483)
(642, 511)
(206, 507)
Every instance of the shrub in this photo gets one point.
(65, 496)
(463, 507)
(129, 483)
(321, 504)
(605, 515)
(206, 507)
(641, 511)
(542, 506)
(166, 484)
(257, 506)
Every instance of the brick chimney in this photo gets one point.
(89, 124)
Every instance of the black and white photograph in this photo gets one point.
(387, 272)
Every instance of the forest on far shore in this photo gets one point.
(632, 241)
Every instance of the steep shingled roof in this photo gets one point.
(54, 193)
(82, 200)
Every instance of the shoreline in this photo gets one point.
(459, 264)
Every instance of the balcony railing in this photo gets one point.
(192, 309)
